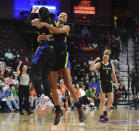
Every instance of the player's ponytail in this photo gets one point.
(107, 52)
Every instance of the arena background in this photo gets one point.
(112, 24)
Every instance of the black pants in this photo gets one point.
(23, 92)
(40, 71)
(134, 87)
(84, 100)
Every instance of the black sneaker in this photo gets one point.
(29, 112)
(58, 116)
(16, 110)
(101, 119)
(81, 115)
(105, 116)
(21, 113)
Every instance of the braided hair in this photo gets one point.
(44, 14)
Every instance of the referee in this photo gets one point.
(23, 90)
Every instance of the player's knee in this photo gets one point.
(110, 101)
(102, 101)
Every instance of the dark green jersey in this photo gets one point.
(61, 41)
(105, 72)
(44, 30)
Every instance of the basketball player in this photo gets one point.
(43, 60)
(106, 70)
(62, 65)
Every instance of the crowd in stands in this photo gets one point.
(85, 44)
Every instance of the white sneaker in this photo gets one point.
(47, 104)
(91, 104)
(39, 101)
(43, 105)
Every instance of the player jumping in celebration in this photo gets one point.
(43, 60)
(62, 65)
(106, 70)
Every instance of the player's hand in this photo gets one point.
(42, 37)
(20, 62)
(97, 59)
(40, 25)
(116, 87)
(34, 10)
(35, 22)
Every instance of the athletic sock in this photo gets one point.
(78, 105)
(58, 109)
(105, 113)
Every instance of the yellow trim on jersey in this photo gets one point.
(39, 33)
(37, 49)
(105, 64)
(65, 39)
(66, 60)
(100, 83)
(100, 86)
(112, 86)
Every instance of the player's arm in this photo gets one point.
(33, 15)
(43, 37)
(18, 67)
(55, 30)
(95, 65)
(114, 76)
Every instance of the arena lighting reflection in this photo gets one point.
(52, 9)
(27, 5)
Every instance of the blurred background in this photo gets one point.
(96, 25)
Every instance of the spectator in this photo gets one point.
(134, 81)
(9, 58)
(136, 101)
(122, 90)
(75, 80)
(81, 82)
(93, 83)
(60, 96)
(14, 100)
(3, 67)
(10, 80)
(3, 98)
(114, 60)
(15, 90)
(86, 81)
(15, 80)
(85, 31)
(78, 90)
(82, 90)
(32, 96)
(64, 94)
(17, 55)
(90, 93)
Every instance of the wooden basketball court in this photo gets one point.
(120, 120)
